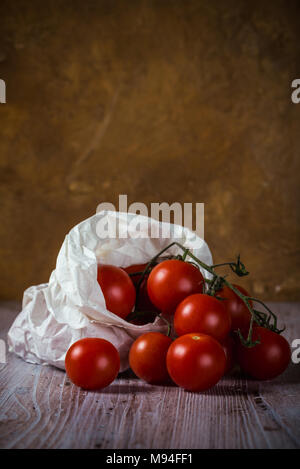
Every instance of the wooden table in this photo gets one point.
(40, 408)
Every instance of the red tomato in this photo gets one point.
(171, 281)
(267, 359)
(240, 315)
(229, 348)
(92, 363)
(117, 288)
(144, 303)
(202, 313)
(147, 357)
(196, 361)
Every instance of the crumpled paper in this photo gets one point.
(71, 305)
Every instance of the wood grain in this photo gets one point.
(40, 408)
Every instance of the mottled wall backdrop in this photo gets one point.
(164, 100)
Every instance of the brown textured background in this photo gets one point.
(164, 101)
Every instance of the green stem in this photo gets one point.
(221, 265)
(185, 254)
(133, 274)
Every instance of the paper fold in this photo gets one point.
(71, 305)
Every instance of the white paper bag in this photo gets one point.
(71, 306)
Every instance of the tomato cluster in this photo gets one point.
(205, 345)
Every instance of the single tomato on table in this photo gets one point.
(240, 314)
(202, 313)
(267, 359)
(117, 288)
(171, 281)
(147, 357)
(92, 363)
(196, 361)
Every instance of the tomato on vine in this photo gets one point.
(202, 313)
(171, 281)
(240, 314)
(267, 359)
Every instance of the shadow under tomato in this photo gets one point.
(221, 391)
(125, 389)
(129, 374)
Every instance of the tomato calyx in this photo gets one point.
(237, 267)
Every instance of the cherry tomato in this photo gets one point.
(196, 361)
(147, 357)
(171, 281)
(92, 363)
(202, 313)
(240, 315)
(117, 288)
(229, 348)
(144, 303)
(267, 359)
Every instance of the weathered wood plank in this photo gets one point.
(40, 408)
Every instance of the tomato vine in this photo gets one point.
(265, 318)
